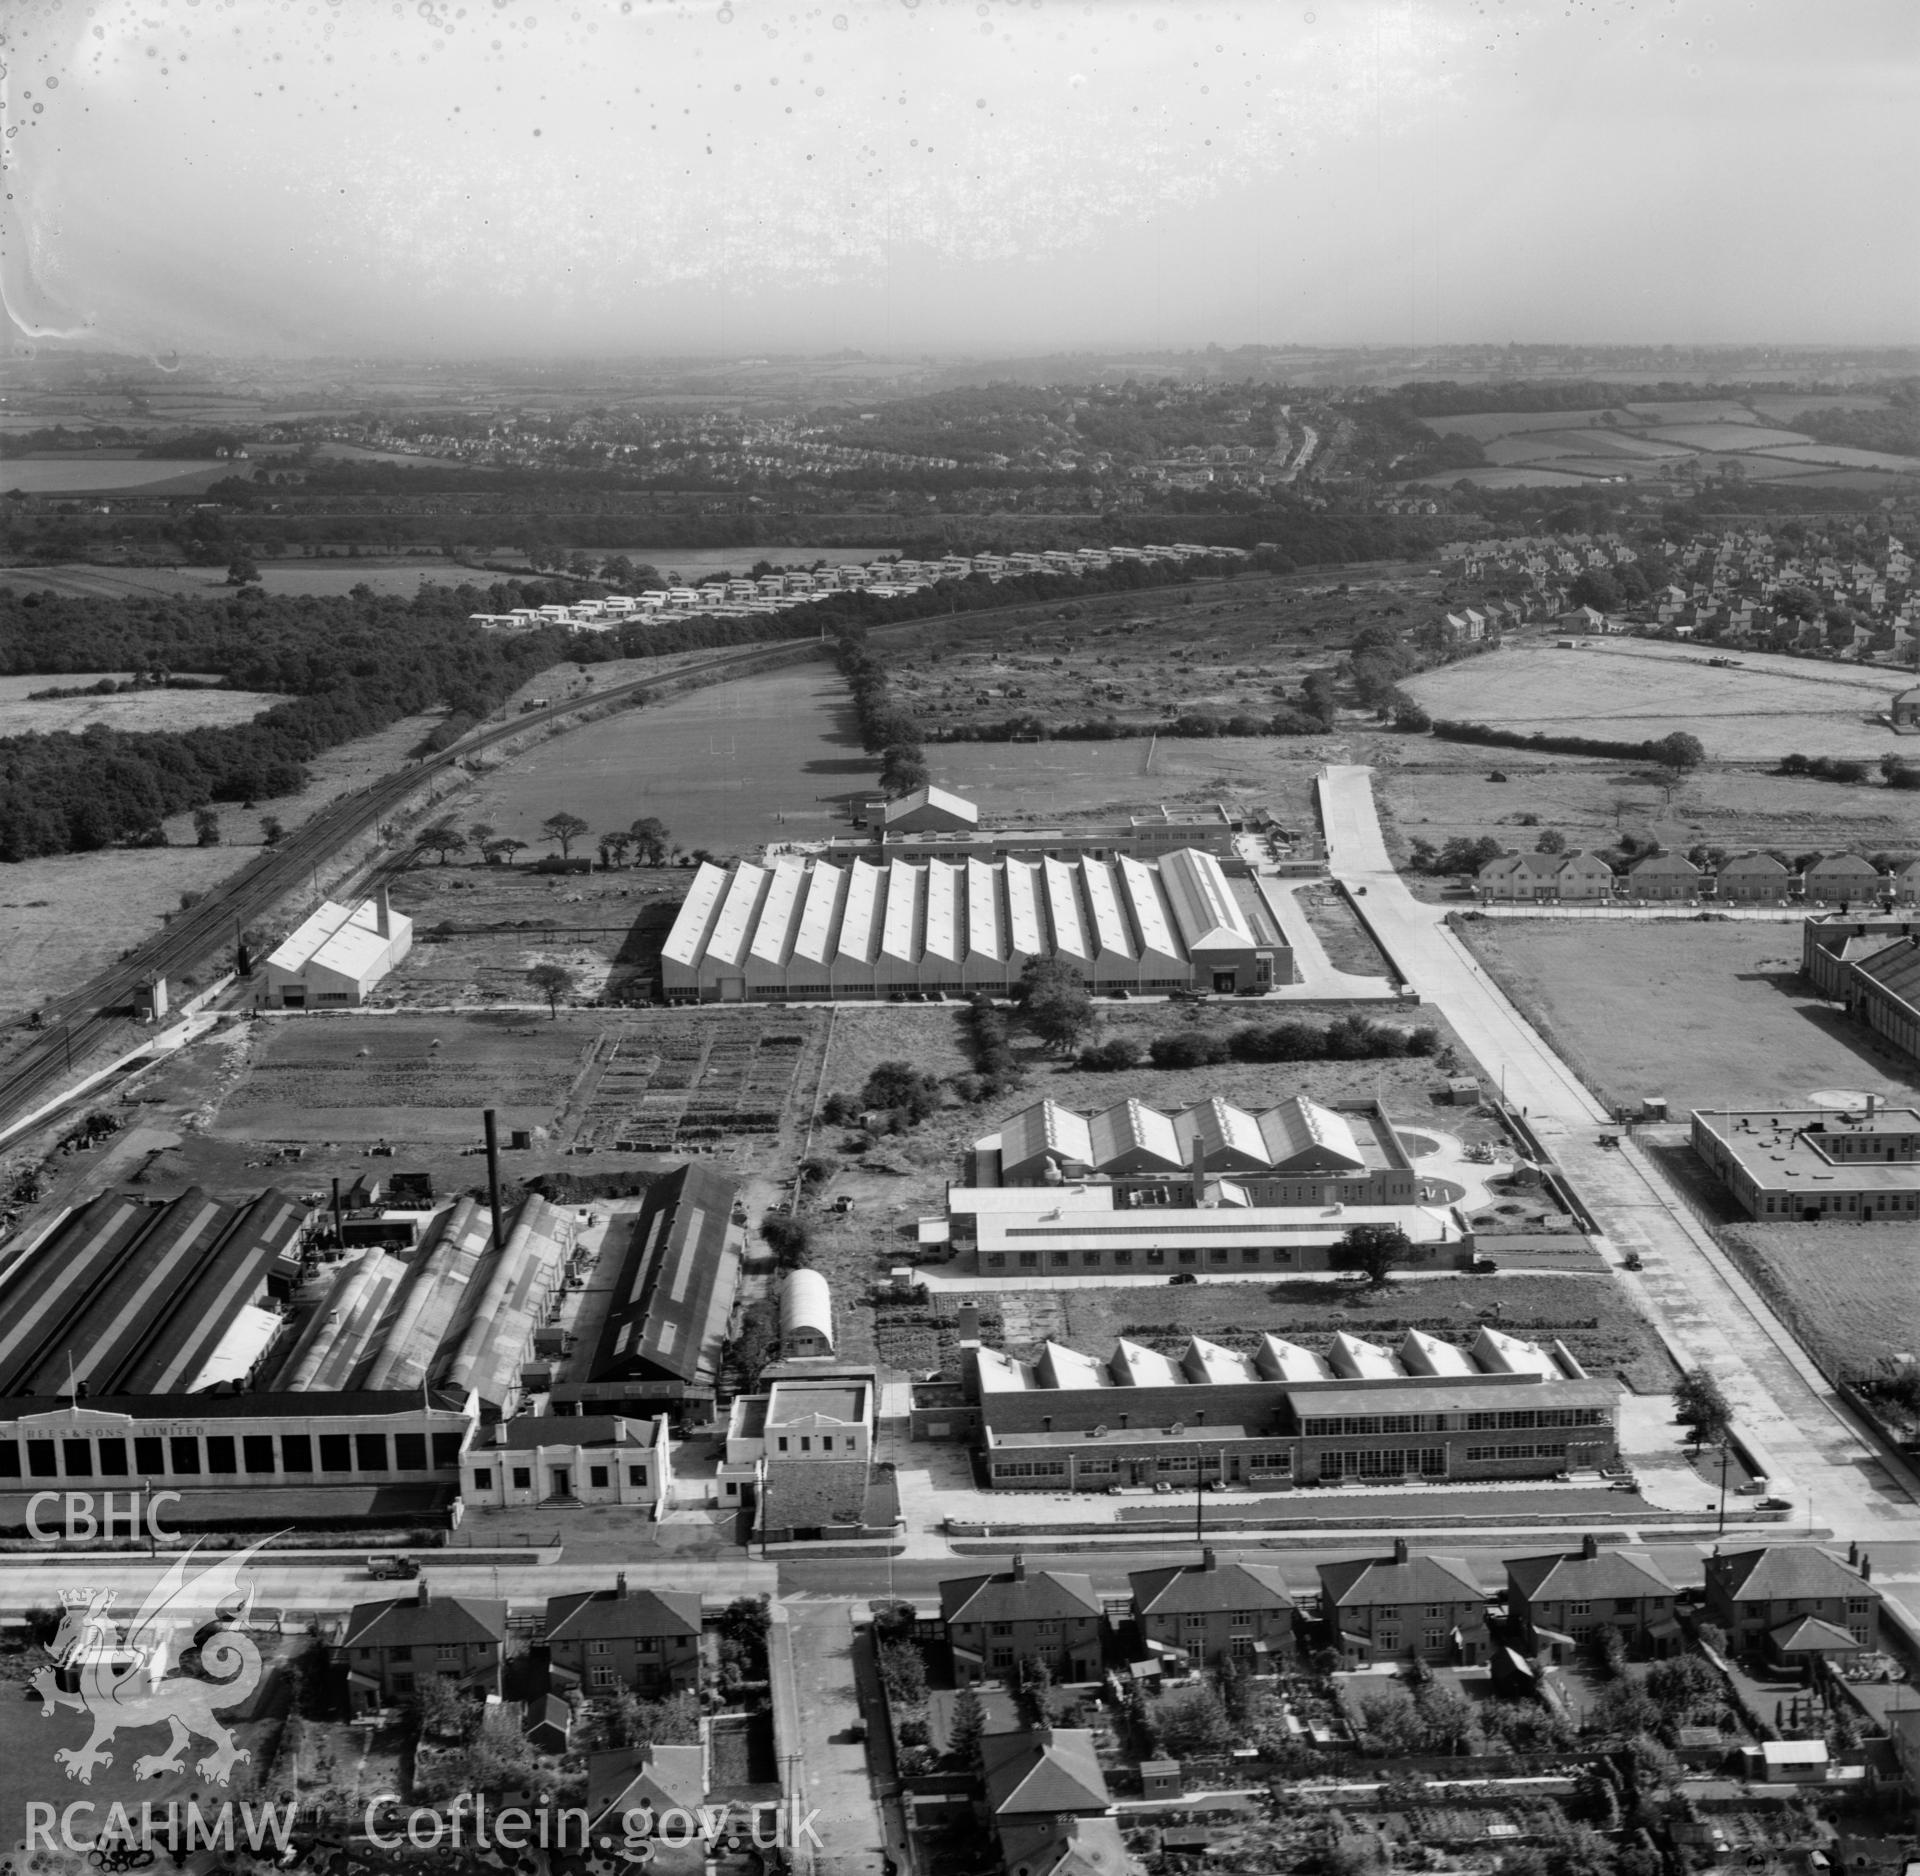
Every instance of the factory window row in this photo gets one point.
(225, 1455)
(1522, 1419)
(1544, 1451)
(1155, 1255)
(1428, 1461)
(1334, 1425)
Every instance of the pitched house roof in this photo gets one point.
(1043, 1772)
(1776, 1574)
(657, 1778)
(619, 1613)
(1207, 1588)
(1808, 1635)
(1665, 863)
(1575, 1576)
(1017, 1596)
(1375, 1582)
(425, 1620)
(1066, 1846)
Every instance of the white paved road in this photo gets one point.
(1708, 1311)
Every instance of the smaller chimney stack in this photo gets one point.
(383, 914)
(1590, 1547)
(620, 1586)
(1399, 1550)
(1198, 1173)
(1019, 1567)
(1209, 1559)
(426, 1595)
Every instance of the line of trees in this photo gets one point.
(1352, 1038)
(1895, 770)
(1679, 751)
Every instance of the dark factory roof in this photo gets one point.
(665, 1287)
(133, 1296)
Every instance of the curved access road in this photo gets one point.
(1706, 1309)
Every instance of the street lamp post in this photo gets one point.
(1724, 1443)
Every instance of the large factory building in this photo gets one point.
(810, 929)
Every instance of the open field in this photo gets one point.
(1432, 791)
(1242, 645)
(1848, 1294)
(1532, 449)
(91, 472)
(1631, 693)
(128, 710)
(319, 576)
(606, 928)
(728, 768)
(1717, 1014)
(70, 915)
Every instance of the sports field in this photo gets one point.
(1635, 691)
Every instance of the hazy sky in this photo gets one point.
(739, 176)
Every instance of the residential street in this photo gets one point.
(1706, 1308)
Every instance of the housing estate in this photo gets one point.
(1551, 878)
(808, 929)
(1275, 1417)
(335, 956)
(1809, 1163)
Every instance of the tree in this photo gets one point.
(789, 1239)
(242, 572)
(564, 829)
(650, 839)
(503, 849)
(480, 833)
(903, 1669)
(206, 827)
(903, 768)
(444, 838)
(1680, 752)
(1058, 1005)
(1378, 1250)
(1551, 841)
(1594, 587)
(1033, 1692)
(1607, 1651)
(1446, 1718)
(965, 1728)
(441, 1709)
(1388, 1718)
(272, 833)
(615, 847)
(553, 981)
(1699, 1402)
(1192, 1722)
(1623, 1707)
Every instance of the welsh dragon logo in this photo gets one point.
(123, 1679)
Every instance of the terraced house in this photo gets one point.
(1389, 1608)
(1560, 1599)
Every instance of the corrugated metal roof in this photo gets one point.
(900, 933)
(986, 928)
(806, 1303)
(330, 1346)
(860, 919)
(1499, 1353)
(130, 1296)
(779, 911)
(944, 940)
(1063, 911)
(732, 927)
(1288, 1361)
(1365, 1361)
(1103, 900)
(1226, 1133)
(1204, 908)
(1302, 1129)
(1421, 1353)
(1133, 1128)
(1046, 1128)
(450, 1252)
(689, 934)
(299, 945)
(514, 1288)
(1023, 909)
(675, 1274)
(1151, 920)
(1133, 1365)
(1208, 1363)
(814, 939)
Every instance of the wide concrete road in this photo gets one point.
(1709, 1312)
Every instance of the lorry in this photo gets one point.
(396, 1565)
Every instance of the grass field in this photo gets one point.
(1704, 1014)
(91, 473)
(1849, 1294)
(1245, 645)
(319, 577)
(1433, 791)
(729, 769)
(1763, 708)
(129, 710)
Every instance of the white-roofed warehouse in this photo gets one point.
(336, 955)
(808, 929)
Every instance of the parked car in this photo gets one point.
(398, 1565)
(1183, 1276)
(1776, 1504)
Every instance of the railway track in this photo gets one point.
(81, 1021)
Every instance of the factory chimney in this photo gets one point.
(490, 1120)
